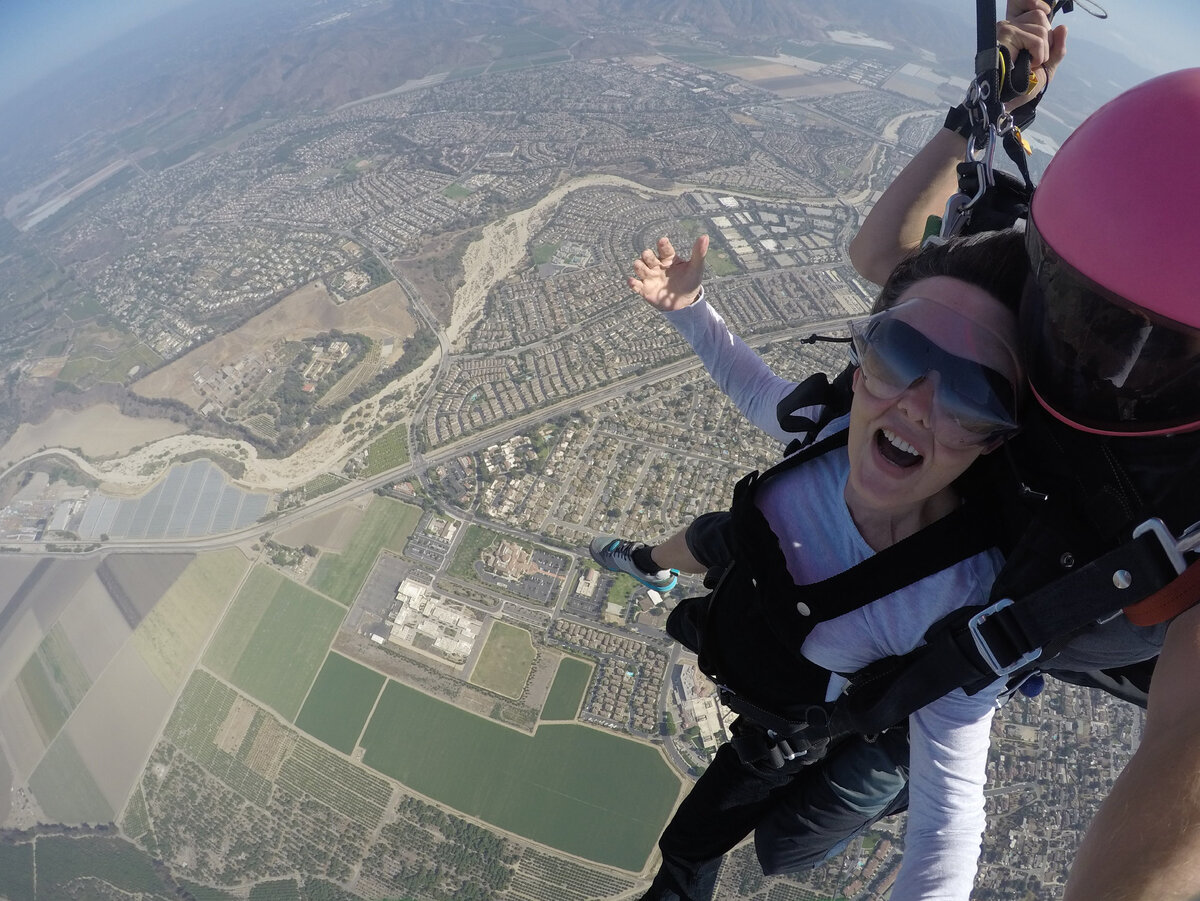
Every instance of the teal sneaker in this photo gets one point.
(616, 554)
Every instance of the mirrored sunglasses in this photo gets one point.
(973, 404)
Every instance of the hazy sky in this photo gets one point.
(1160, 35)
(38, 36)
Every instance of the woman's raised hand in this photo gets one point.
(667, 281)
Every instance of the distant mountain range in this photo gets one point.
(225, 62)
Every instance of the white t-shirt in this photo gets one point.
(806, 508)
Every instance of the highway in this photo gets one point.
(416, 467)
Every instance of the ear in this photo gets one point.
(856, 378)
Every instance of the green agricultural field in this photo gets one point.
(506, 659)
(276, 890)
(170, 637)
(351, 790)
(339, 703)
(456, 192)
(322, 484)
(62, 860)
(16, 872)
(42, 698)
(323, 890)
(135, 821)
(65, 789)
(386, 524)
(64, 667)
(570, 682)
(581, 790)
(274, 639)
(387, 451)
(237, 628)
(522, 42)
(195, 723)
(53, 682)
(521, 62)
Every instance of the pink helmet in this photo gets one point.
(1111, 312)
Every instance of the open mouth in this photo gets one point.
(896, 450)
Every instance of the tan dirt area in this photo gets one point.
(813, 87)
(138, 471)
(235, 726)
(114, 736)
(764, 71)
(47, 367)
(94, 626)
(330, 531)
(99, 431)
(271, 746)
(382, 313)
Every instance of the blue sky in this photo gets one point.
(37, 36)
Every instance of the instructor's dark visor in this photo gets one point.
(1099, 363)
(973, 403)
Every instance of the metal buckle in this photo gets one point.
(1172, 547)
(960, 204)
(986, 652)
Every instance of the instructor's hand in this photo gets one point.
(1028, 28)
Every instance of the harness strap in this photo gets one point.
(833, 399)
(757, 592)
(1168, 601)
(815, 715)
(959, 535)
(973, 647)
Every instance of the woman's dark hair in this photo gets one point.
(993, 261)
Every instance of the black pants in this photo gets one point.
(800, 815)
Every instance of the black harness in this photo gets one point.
(1094, 537)
(748, 631)
(1100, 542)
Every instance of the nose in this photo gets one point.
(916, 401)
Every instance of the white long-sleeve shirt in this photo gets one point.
(734, 366)
(806, 509)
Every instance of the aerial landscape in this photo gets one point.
(320, 375)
